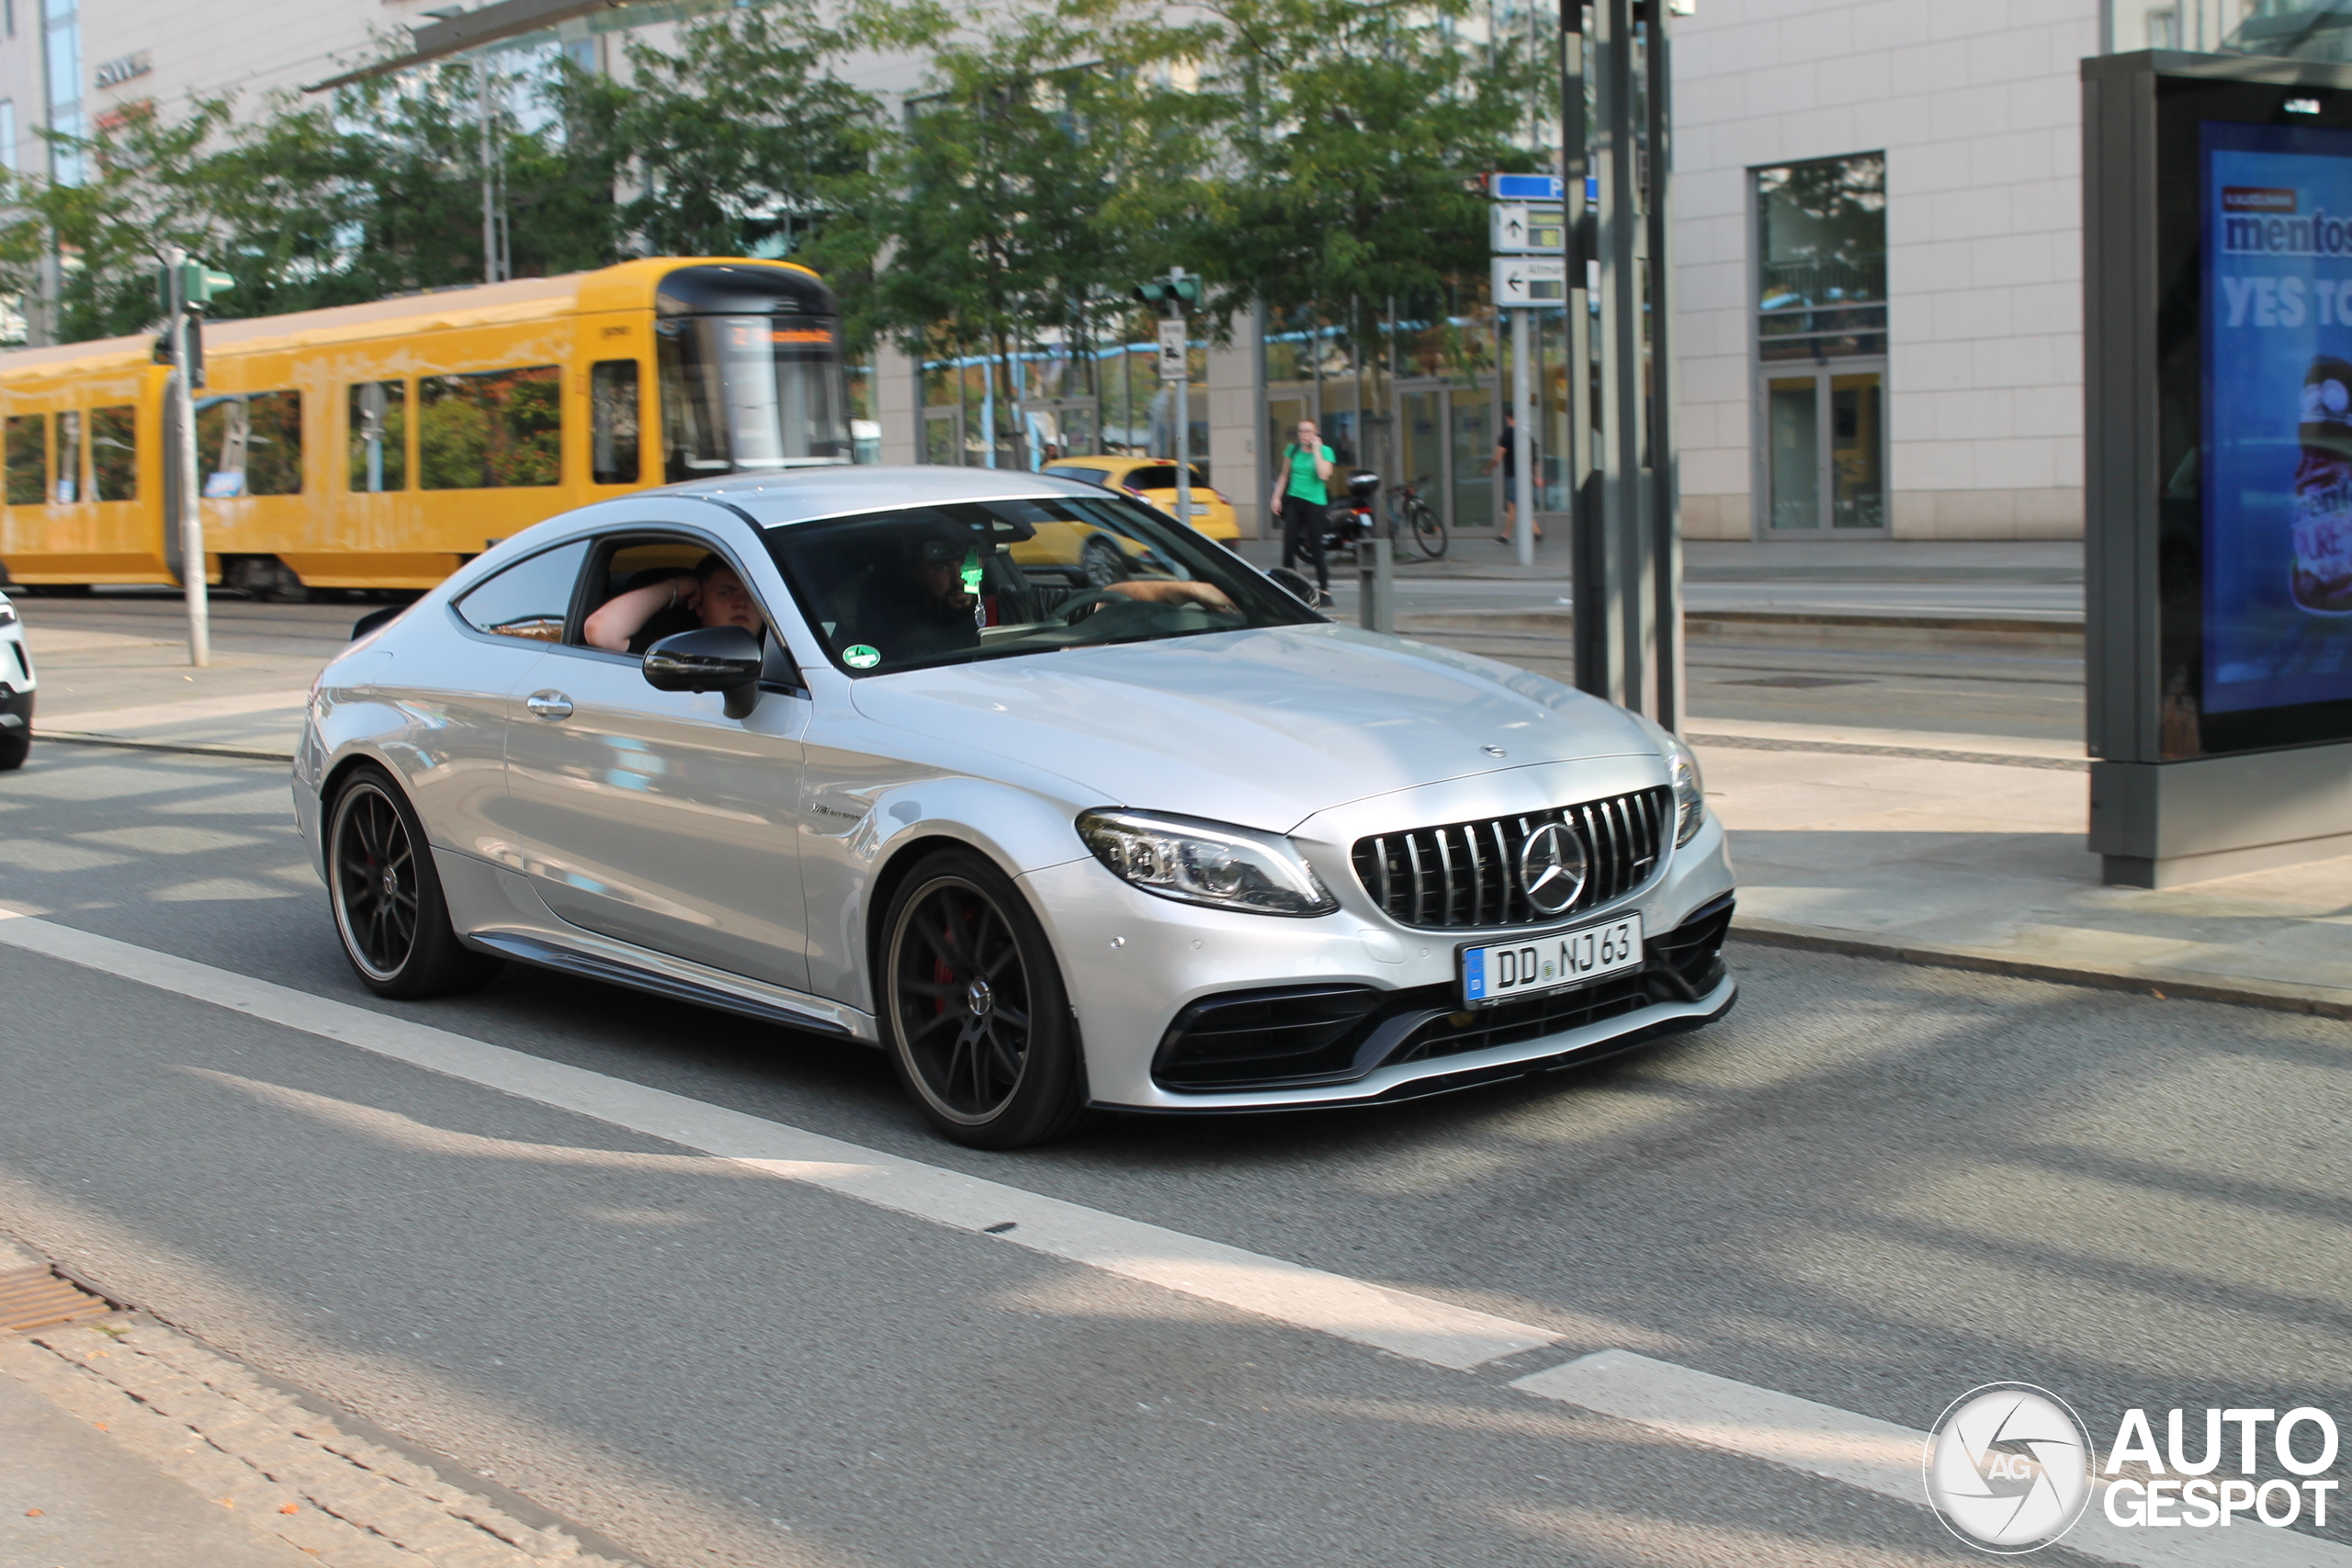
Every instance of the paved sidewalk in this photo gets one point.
(126, 1444)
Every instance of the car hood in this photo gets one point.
(1260, 727)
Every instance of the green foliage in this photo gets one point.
(1357, 127)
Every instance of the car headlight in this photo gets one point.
(7, 613)
(1214, 864)
(1690, 789)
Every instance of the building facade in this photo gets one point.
(1877, 220)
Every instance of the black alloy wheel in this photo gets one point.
(388, 907)
(978, 1026)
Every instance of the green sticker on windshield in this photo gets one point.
(857, 656)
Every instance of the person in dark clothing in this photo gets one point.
(1302, 498)
(1506, 459)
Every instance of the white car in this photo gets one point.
(17, 685)
(812, 747)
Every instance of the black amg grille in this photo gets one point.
(1465, 875)
(1298, 1036)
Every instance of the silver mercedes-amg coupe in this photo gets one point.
(1062, 806)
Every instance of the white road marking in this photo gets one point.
(1877, 1456)
(1417, 1326)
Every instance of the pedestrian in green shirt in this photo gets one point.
(1302, 496)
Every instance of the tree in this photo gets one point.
(1035, 180)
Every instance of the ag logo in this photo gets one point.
(2008, 1468)
(1551, 868)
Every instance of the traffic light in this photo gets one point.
(191, 285)
(1175, 289)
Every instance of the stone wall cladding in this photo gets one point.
(284, 1470)
(1977, 109)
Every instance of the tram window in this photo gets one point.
(28, 443)
(68, 487)
(379, 435)
(491, 429)
(114, 454)
(743, 393)
(531, 599)
(250, 443)
(612, 422)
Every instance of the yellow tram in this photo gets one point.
(379, 445)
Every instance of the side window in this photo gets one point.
(28, 443)
(650, 588)
(380, 436)
(612, 422)
(114, 454)
(531, 599)
(491, 429)
(250, 443)
(69, 458)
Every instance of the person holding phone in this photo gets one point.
(1302, 497)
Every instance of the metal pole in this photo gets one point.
(1182, 390)
(1522, 531)
(1665, 488)
(489, 270)
(191, 518)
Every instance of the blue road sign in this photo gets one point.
(1523, 188)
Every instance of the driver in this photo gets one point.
(712, 596)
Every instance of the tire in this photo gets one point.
(974, 1014)
(13, 750)
(389, 909)
(1429, 530)
(1101, 561)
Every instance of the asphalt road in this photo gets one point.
(1873, 1186)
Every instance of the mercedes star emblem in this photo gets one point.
(1551, 868)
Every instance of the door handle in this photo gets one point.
(548, 705)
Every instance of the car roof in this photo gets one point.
(800, 495)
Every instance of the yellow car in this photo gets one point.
(1153, 480)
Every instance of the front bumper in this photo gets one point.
(1359, 1011)
(16, 711)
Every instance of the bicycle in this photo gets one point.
(1407, 513)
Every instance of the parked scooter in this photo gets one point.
(1346, 524)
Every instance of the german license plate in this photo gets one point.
(1506, 972)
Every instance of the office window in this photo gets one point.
(1821, 343)
(250, 443)
(67, 489)
(612, 422)
(491, 429)
(27, 452)
(380, 436)
(114, 454)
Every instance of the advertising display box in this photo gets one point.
(2217, 341)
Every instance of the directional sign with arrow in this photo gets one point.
(1517, 228)
(1531, 280)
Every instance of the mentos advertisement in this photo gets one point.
(2278, 450)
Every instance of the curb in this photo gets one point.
(2164, 983)
(69, 739)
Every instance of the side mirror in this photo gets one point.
(711, 659)
(1293, 583)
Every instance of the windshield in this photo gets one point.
(999, 578)
(748, 392)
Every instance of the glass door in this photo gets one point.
(1825, 450)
